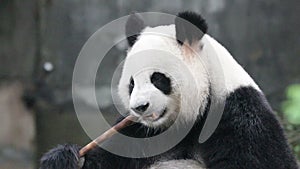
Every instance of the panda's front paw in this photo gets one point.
(61, 157)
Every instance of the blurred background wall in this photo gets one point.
(36, 110)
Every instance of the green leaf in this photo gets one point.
(297, 148)
(292, 112)
(293, 92)
(291, 107)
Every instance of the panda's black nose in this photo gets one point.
(141, 108)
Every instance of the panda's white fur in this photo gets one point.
(198, 59)
(177, 164)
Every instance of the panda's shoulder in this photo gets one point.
(250, 118)
(248, 131)
(247, 106)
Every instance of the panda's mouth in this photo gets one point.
(156, 116)
(162, 114)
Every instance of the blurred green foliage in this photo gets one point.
(291, 119)
(291, 107)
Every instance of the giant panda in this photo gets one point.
(248, 135)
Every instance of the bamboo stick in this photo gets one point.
(106, 135)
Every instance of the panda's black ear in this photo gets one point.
(190, 27)
(134, 26)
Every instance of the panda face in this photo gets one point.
(152, 98)
(163, 80)
(159, 83)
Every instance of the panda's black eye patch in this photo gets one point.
(131, 85)
(161, 82)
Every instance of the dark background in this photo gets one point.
(36, 110)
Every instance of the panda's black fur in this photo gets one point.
(63, 156)
(248, 136)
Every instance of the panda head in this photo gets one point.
(164, 76)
